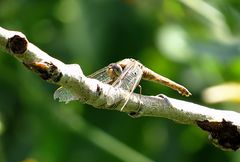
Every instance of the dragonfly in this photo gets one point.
(127, 74)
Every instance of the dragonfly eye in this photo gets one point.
(117, 69)
(114, 70)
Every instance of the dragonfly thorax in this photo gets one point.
(114, 70)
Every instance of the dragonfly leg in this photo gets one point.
(136, 114)
(140, 89)
(140, 93)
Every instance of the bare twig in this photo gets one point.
(223, 126)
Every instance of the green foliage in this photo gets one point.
(195, 44)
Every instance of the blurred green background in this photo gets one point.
(193, 42)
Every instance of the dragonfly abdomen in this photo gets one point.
(152, 76)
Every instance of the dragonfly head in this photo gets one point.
(114, 70)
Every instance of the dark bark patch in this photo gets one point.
(99, 90)
(45, 70)
(224, 134)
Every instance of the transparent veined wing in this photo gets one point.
(64, 95)
(130, 77)
(101, 75)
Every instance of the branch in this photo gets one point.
(223, 126)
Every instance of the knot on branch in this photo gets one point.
(17, 44)
(222, 134)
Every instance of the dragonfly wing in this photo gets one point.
(101, 75)
(64, 95)
(130, 77)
